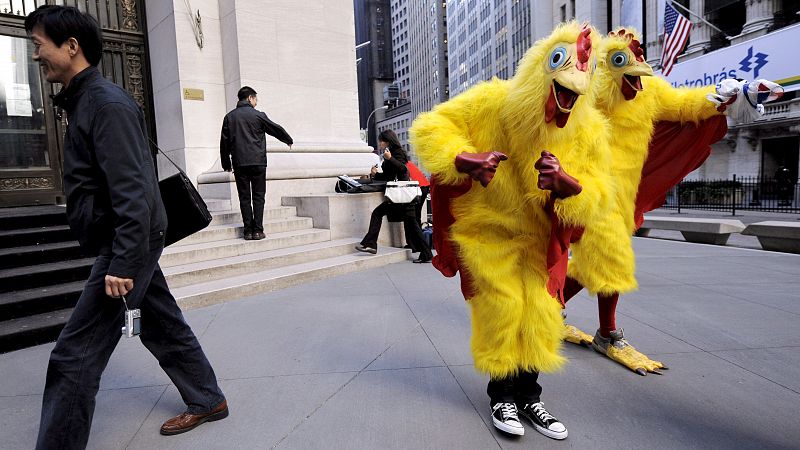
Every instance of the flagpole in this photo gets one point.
(689, 11)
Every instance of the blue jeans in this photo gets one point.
(90, 336)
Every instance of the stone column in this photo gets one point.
(700, 36)
(298, 56)
(652, 41)
(760, 15)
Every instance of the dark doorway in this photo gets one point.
(780, 152)
(30, 130)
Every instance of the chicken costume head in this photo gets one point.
(622, 57)
(554, 73)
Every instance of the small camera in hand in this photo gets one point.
(133, 323)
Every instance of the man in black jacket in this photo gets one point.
(114, 208)
(243, 139)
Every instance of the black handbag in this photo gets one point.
(187, 213)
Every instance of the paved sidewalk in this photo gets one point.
(380, 359)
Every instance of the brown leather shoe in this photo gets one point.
(187, 422)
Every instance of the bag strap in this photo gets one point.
(164, 154)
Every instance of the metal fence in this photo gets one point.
(736, 194)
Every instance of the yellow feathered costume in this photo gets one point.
(501, 231)
(603, 259)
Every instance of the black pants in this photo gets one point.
(520, 389)
(251, 181)
(406, 213)
(90, 336)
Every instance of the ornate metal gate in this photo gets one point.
(30, 133)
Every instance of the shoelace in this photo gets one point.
(508, 410)
(538, 409)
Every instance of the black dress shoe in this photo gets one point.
(421, 261)
(259, 235)
(366, 249)
(248, 236)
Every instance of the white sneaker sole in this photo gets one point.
(550, 433)
(508, 429)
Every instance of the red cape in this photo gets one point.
(675, 150)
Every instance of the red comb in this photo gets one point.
(636, 48)
(635, 45)
(584, 46)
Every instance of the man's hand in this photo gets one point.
(117, 287)
(387, 154)
(553, 178)
(373, 170)
(479, 166)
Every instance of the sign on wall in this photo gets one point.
(772, 57)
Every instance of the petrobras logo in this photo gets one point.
(749, 67)
(753, 62)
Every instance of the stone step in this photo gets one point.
(218, 204)
(227, 289)
(235, 216)
(201, 272)
(32, 216)
(192, 253)
(41, 328)
(236, 230)
(27, 302)
(39, 254)
(35, 236)
(29, 277)
(32, 330)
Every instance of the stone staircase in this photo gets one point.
(42, 270)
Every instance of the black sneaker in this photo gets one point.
(544, 422)
(365, 249)
(504, 417)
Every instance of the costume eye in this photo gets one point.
(619, 59)
(558, 57)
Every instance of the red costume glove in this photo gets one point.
(553, 178)
(479, 166)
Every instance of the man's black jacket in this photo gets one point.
(113, 202)
(243, 137)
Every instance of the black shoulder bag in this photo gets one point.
(187, 213)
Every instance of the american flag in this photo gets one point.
(676, 35)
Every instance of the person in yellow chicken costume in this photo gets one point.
(658, 135)
(517, 166)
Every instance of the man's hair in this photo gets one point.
(63, 22)
(245, 93)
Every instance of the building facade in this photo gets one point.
(374, 62)
(743, 39)
(299, 57)
(31, 128)
(420, 57)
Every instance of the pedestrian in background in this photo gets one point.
(394, 168)
(115, 210)
(243, 140)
